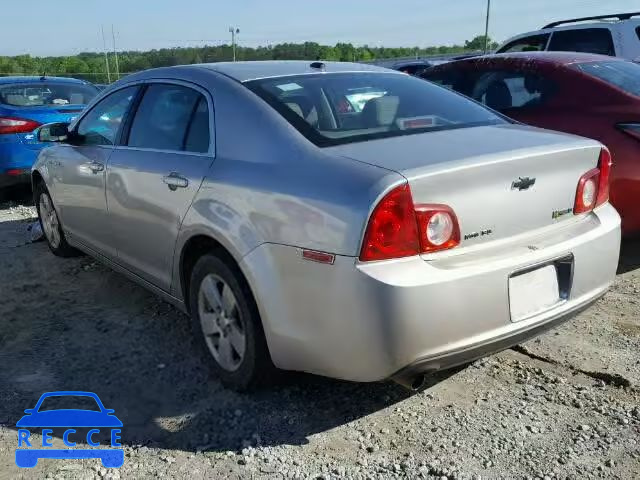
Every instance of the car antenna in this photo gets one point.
(44, 76)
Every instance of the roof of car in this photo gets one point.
(25, 79)
(245, 71)
(556, 58)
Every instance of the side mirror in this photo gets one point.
(53, 132)
(28, 411)
(109, 411)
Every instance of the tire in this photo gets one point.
(221, 320)
(50, 224)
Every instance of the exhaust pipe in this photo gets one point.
(413, 382)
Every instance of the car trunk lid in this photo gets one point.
(501, 181)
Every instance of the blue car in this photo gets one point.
(69, 417)
(25, 104)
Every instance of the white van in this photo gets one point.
(616, 35)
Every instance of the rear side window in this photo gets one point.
(503, 90)
(171, 117)
(534, 43)
(46, 94)
(624, 75)
(198, 135)
(588, 40)
(336, 108)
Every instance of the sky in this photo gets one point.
(74, 26)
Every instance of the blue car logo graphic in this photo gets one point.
(67, 418)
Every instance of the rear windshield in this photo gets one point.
(624, 75)
(336, 108)
(39, 94)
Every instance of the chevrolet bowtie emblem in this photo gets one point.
(523, 183)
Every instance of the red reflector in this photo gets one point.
(14, 172)
(320, 257)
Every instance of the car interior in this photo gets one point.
(324, 111)
(39, 95)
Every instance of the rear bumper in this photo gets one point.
(368, 322)
(16, 155)
(456, 358)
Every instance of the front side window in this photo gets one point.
(587, 40)
(624, 75)
(534, 43)
(46, 94)
(101, 125)
(503, 90)
(163, 120)
(336, 108)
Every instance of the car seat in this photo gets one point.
(380, 112)
(498, 96)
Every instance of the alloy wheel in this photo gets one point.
(49, 219)
(221, 322)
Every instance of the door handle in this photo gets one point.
(175, 180)
(96, 167)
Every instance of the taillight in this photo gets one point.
(438, 226)
(392, 231)
(17, 125)
(630, 128)
(593, 186)
(398, 228)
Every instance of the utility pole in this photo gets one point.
(486, 28)
(234, 31)
(115, 53)
(106, 57)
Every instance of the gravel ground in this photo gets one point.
(565, 405)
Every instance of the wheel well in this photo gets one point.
(36, 178)
(195, 248)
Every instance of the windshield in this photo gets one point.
(331, 109)
(624, 75)
(45, 94)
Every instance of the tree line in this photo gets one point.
(92, 66)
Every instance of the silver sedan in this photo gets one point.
(333, 218)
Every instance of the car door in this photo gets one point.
(80, 170)
(153, 178)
